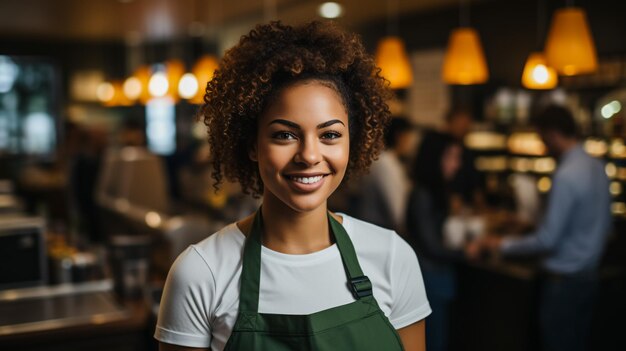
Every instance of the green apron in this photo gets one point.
(359, 325)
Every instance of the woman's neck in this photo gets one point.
(289, 231)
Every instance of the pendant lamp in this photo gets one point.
(393, 61)
(464, 62)
(141, 76)
(391, 56)
(132, 88)
(187, 86)
(569, 47)
(203, 71)
(105, 92)
(537, 74)
(159, 84)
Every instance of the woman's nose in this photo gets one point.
(309, 152)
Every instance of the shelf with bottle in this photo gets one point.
(501, 157)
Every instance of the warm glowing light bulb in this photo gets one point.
(537, 74)
(611, 170)
(540, 74)
(105, 92)
(544, 184)
(158, 85)
(615, 188)
(132, 88)
(330, 10)
(188, 86)
(153, 219)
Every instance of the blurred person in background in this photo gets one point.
(84, 166)
(384, 191)
(571, 237)
(467, 182)
(438, 162)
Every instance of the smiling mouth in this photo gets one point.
(306, 179)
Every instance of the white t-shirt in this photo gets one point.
(201, 296)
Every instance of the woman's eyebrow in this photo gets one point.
(297, 126)
(329, 123)
(286, 122)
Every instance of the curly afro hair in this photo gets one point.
(273, 56)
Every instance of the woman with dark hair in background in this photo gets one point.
(387, 184)
(437, 163)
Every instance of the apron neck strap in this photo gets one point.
(359, 284)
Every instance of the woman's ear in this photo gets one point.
(252, 153)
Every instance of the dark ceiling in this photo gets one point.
(167, 19)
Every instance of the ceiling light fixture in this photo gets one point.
(330, 10)
(188, 86)
(569, 47)
(537, 73)
(203, 70)
(158, 85)
(391, 56)
(464, 61)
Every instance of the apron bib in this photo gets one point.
(360, 325)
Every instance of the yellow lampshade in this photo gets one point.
(174, 69)
(394, 63)
(464, 62)
(569, 46)
(537, 74)
(203, 71)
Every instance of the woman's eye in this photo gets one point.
(283, 136)
(331, 135)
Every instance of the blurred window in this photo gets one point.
(161, 126)
(28, 106)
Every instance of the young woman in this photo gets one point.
(291, 112)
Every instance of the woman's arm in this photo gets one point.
(414, 336)
(169, 347)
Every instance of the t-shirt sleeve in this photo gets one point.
(187, 302)
(409, 296)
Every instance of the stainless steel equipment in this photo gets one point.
(23, 260)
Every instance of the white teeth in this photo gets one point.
(307, 180)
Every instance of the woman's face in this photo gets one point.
(303, 145)
(451, 161)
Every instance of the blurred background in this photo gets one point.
(105, 174)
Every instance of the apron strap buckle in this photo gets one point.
(361, 286)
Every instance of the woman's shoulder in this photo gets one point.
(221, 243)
(368, 235)
(216, 252)
(355, 225)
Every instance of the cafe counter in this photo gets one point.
(68, 317)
